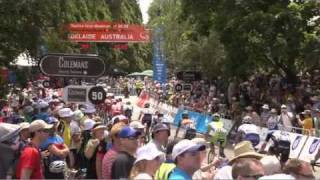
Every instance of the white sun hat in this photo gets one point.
(65, 112)
(149, 152)
(88, 124)
(186, 145)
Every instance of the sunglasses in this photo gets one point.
(132, 138)
(45, 130)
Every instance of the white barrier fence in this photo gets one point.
(303, 147)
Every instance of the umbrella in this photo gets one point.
(147, 73)
(134, 74)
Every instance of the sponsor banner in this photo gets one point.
(136, 35)
(102, 26)
(159, 64)
(297, 143)
(310, 149)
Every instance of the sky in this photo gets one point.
(144, 6)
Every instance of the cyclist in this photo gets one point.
(157, 118)
(280, 145)
(187, 124)
(218, 134)
(128, 109)
(248, 131)
(145, 118)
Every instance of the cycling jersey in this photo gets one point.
(218, 133)
(280, 144)
(251, 133)
(215, 126)
(248, 129)
(147, 117)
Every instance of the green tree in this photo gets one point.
(39, 26)
(187, 46)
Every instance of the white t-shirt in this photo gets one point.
(224, 173)
(143, 176)
(248, 129)
(277, 176)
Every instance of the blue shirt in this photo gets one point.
(179, 174)
(55, 139)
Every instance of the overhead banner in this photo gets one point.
(159, 58)
(103, 26)
(107, 32)
(122, 36)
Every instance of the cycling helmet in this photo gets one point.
(146, 105)
(217, 115)
(247, 119)
(57, 166)
(185, 114)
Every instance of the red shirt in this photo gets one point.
(30, 158)
(107, 162)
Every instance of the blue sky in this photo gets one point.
(144, 6)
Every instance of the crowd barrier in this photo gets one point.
(302, 147)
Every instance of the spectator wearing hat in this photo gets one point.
(29, 165)
(265, 114)
(112, 153)
(306, 123)
(243, 149)
(89, 111)
(160, 135)
(206, 170)
(286, 118)
(53, 103)
(66, 115)
(75, 154)
(247, 168)
(57, 148)
(122, 165)
(148, 161)
(43, 111)
(137, 125)
(9, 134)
(187, 159)
(94, 152)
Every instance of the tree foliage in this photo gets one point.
(240, 37)
(39, 26)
